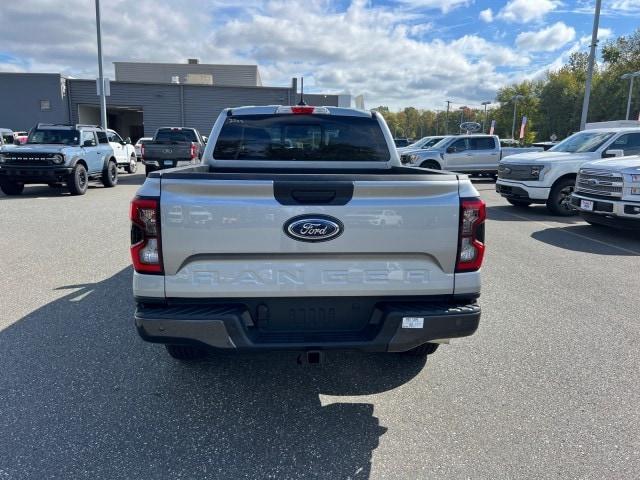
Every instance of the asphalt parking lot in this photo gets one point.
(547, 388)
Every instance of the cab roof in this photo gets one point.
(273, 109)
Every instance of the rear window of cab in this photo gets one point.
(316, 137)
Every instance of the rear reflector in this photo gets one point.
(471, 235)
(303, 110)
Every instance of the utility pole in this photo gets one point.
(592, 56)
(446, 120)
(461, 118)
(103, 93)
(484, 122)
(630, 76)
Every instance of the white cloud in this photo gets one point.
(626, 5)
(547, 39)
(603, 34)
(525, 11)
(486, 15)
(443, 5)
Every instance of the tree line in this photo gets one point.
(552, 104)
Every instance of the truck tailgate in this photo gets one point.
(167, 151)
(225, 237)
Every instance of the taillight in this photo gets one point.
(193, 151)
(471, 235)
(142, 150)
(146, 253)
(303, 110)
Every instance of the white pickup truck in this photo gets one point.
(472, 154)
(549, 177)
(608, 192)
(302, 231)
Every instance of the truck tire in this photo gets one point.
(560, 196)
(422, 350)
(78, 180)
(519, 203)
(148, 169)
(185, 352)
(11, 188)
(110, 175)
(432, 164)
(133, 165)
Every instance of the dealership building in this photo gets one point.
(144, 97)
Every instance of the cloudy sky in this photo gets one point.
(396, 52)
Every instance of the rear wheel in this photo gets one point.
(78, 180)
(11, 188)
(423, 350)
(433, 165)
(148, 169)
(518, 203)
(133, 165)
(559, 202)
(110, 175)
(185, 352)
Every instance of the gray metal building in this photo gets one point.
(134, 109)
(192, 72)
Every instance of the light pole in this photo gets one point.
(592, 56)
(461, 117)
(446, 120)
(103, 94)
(484, 123)
(630, 76)
(515, 100)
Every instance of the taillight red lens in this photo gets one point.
(142, 149)
(471, 235)
(193, 151)
(302, 110)
(146, 253)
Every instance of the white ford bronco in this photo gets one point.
(301, 230)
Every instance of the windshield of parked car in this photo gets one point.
(582, 142)
(326, 138)
(177, 135)
(54, 136)
(432, 142)
(419, 143)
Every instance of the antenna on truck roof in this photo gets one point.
(302, 102)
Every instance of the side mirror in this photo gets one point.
(89, 143)
(451, 149)
(205, 139)
(612, 153)
(127, 141)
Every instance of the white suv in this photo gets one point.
(125, 152)
(549, 177)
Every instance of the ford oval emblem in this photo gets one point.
(313, 228)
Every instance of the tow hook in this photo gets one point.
(311, 357)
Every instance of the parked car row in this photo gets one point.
(594, 173)
(70, 155)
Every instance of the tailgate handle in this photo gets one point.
(313, 192)
(307, 197)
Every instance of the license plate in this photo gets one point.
(586, 205)
(168, 163)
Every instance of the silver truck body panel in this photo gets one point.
(224, 238)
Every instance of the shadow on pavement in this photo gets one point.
(534, 213)
(589, 239)
(83, 397)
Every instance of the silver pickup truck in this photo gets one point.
(302, 231)
(472, 154)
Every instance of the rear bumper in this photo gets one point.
(520, 191)
(164, 164)
(41, 174)
(236, 326)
